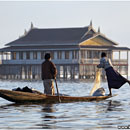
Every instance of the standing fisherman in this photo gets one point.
(114, 79)
(49, 73)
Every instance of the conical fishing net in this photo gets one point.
(96, 82)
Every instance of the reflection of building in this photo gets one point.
(75, 51)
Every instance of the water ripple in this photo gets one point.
(107, 114)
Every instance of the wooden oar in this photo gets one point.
(57, 90)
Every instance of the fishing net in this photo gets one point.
(96, 82)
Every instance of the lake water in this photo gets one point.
(102, 115)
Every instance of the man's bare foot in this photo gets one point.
(110, 94)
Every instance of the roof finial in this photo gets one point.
(25, 32)
(91, 23)
(98, 29)
(32, 25)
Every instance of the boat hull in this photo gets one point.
(26, 97)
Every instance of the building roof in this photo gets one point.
(73, 47)
(38, 48)
(58, 36)
(106, 48)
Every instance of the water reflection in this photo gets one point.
(114, 106)
(47, 109)
(47, 116)
(7, 106)
(109, 105)
(31, 113)
(108, 112)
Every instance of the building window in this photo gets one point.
(96, 54)
(42, 55)
(34, 55)
(89, 54)
(74, 54)
(14, 55)
(27, 55)
(83, 54)
(66, 54)
(20, 55)
(59, 54)
(8, 57)
(52, 54)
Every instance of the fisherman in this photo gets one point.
(114, 79)
(49, 73)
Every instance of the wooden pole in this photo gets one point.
(57, 90)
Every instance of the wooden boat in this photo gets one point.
(26, 97)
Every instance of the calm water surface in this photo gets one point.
(102, 115)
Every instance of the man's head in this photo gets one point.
(103, 54)
(47, 56)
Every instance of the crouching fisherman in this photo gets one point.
(49, 73)
(114, 79)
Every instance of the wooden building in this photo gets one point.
(75, 51)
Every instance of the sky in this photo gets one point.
(113, 17)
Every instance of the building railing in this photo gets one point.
(63, 61)
(122, 61)
(89, 61)
(38, 61)
(97, 61)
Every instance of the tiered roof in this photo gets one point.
(60, 37)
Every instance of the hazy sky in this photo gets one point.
(112, 17)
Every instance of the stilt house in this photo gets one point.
(75, 51)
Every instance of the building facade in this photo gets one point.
(75, 51)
